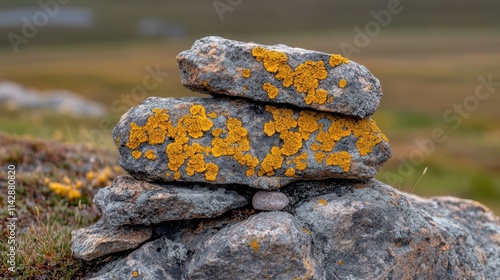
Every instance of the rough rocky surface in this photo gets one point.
(269, 245)
(280, 74)
(102, 239)
(131, 202)
(158, 259)
(225, 141)
(372, 231)
(269, 200)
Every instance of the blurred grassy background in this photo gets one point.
(428, 58)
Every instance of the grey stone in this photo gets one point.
(102, 239)
(159, 259)
(268, 245)
(372, 231)
(269, 200)
(280, 74)
(227, 141)
(131, 202)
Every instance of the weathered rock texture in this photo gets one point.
(224, 141)
(270, 200)
(280, 74)
(131, 202)
(102, 239)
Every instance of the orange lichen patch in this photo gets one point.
(269, 129)
(196, 123)
(271, 90)
(306, 231)
(340, 262)
(316, 96)
(305, 78)
(301, 161)
(246, 73)
(323, 202)
(337, 59)
(283, 118)
(342, 83)
(245, 87)
(196, 164)
(292, 142)
(329, 99)
(255, 245)
(204, 83)
(212, 115)
(290, 172)
(342, 159)
(136, 154)
(135, 274)
(150, 154)
(272, 162)
(319, 156)
(177, 175)
(217, 131)
(234, 145)
(137, 136)
(369, 135)
(308, 123)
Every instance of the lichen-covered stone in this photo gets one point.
(131, 202)
(101, 239)
(269, 200)
(159, 259)
(372, 231)
(280, 74)
(269, 245)
(226, 141)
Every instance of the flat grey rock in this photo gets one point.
(101, 239)
(227, 141)
(269, 200)
(373, 231)
(269, 245)
(280, 74)
(158, 259)
(131, 202)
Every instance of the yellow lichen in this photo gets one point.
(212, 115)
(308, 123)
(340, 262)
(271, 162)
(212, 171)
(301, 161)
(245, 87)
(342, 83)
(217, 131)
(271, 90)
(245, 73)
(329, 99)
(150, 154)
(292, 142)
(135, 274)
(137, 136)
(337, 59)
(269, 129)
(290, 172)
(196, 164)
(255, 245)
(319, 156)
(323, 202)
(342, 159)
(306, 230)
(136, 154)
(177, 175)
(305, 78)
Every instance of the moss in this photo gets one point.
(337, 59)
(342, 159)
(246, 73)
(150, 154)
(342, 83)
(271, 90)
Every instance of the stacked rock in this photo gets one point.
(289, 130)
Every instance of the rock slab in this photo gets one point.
(101, 239)
(227, 141)
(132, 202)
(280, 74)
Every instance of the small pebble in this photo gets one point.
(269, 200)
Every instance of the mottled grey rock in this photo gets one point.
(158, 259)
(280, 74)
(131, 202)
(227, 141)
(269, 200)
(269, 245)
(373, 231)
(102, 239)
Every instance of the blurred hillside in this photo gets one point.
(429, 58)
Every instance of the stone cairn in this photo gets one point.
(272, 178)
